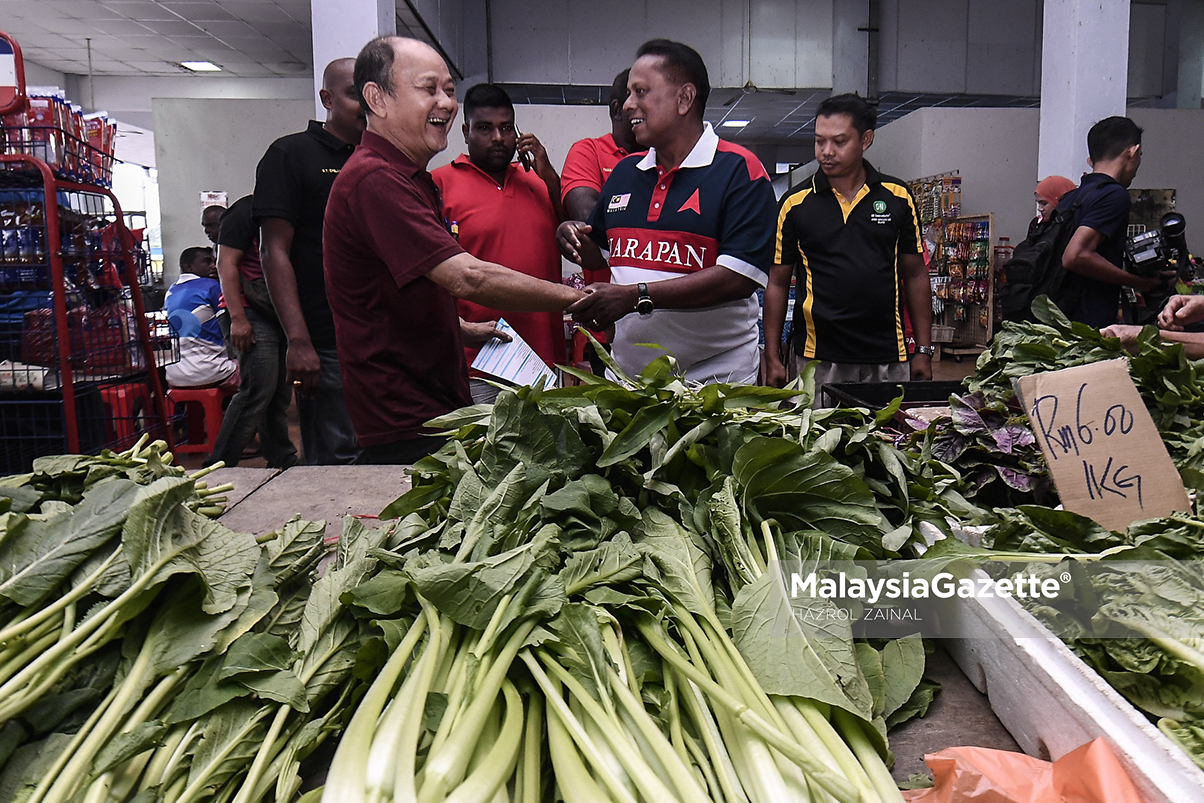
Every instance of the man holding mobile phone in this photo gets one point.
(505, 213)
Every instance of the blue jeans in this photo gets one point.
(327, 436)
(261, 402)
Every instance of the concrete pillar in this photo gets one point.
(850, 46)
(1191, 54)
(342, 28)
(1084, 78)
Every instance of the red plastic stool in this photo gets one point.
(204, 410)
(124, 402)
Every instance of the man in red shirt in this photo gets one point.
(590, 161)
(394, 271)
(505, 213)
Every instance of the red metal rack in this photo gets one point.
(78, 370)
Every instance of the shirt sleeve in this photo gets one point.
(786, 247)
(597, 223)
(213, 294)
(1105, 210)
(403, 231)
(237, 229)
(278, 189)
(910, 238)
(581, 168)
(746, 235)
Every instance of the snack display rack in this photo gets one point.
(961, 266)
(77, 355)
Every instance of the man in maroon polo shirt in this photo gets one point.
(393, 270)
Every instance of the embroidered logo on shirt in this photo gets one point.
(691, 204)
(880, 215)
(618, 203)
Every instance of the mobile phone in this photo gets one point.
(523, 158)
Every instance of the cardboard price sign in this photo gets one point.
(1106, 457)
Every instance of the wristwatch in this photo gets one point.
(927, 351)
(643, 302)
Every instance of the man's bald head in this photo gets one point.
(376, 61)
(409, 95)
(344, 118)
(337, 73)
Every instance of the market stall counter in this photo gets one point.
(265, 498)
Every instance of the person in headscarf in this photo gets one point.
(1049, 191)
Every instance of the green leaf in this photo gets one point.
(203, 693)
(807, 490)
(477, 414)
(142, 737)
(256, 652)
(30, 764)
(283, 687)
(638, 434)
(916, 705)
(383, 594)
(677, 562)
(870, 661)
(18, 499)
(786, 661)
(903, 669)
(469, 592)
(44, 553)
(230, 738)
(547, 446)
(182, 631)
(297, 550)
(152, 535)
(613, 562)
(224, 560)
(580, 648)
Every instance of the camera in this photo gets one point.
(1162, 249)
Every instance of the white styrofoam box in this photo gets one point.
(1052, 702)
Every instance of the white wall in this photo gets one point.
(131, 98)
(212, 144)
(1171, 147)
(207, 144)
(37, 75)
(996, 152)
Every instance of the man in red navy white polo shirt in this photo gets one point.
(687, 230)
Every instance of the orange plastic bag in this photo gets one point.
(1090, 774)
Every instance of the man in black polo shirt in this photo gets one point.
(854, 236)
(292, 184)
(1096, 249)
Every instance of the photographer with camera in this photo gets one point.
(1096, 249)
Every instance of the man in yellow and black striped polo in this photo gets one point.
(853, 236)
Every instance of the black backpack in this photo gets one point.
(1035, 268)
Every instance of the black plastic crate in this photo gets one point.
(878, 395)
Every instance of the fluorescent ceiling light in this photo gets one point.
(734, 123)
(200, 66)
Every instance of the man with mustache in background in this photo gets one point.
(505, 213)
